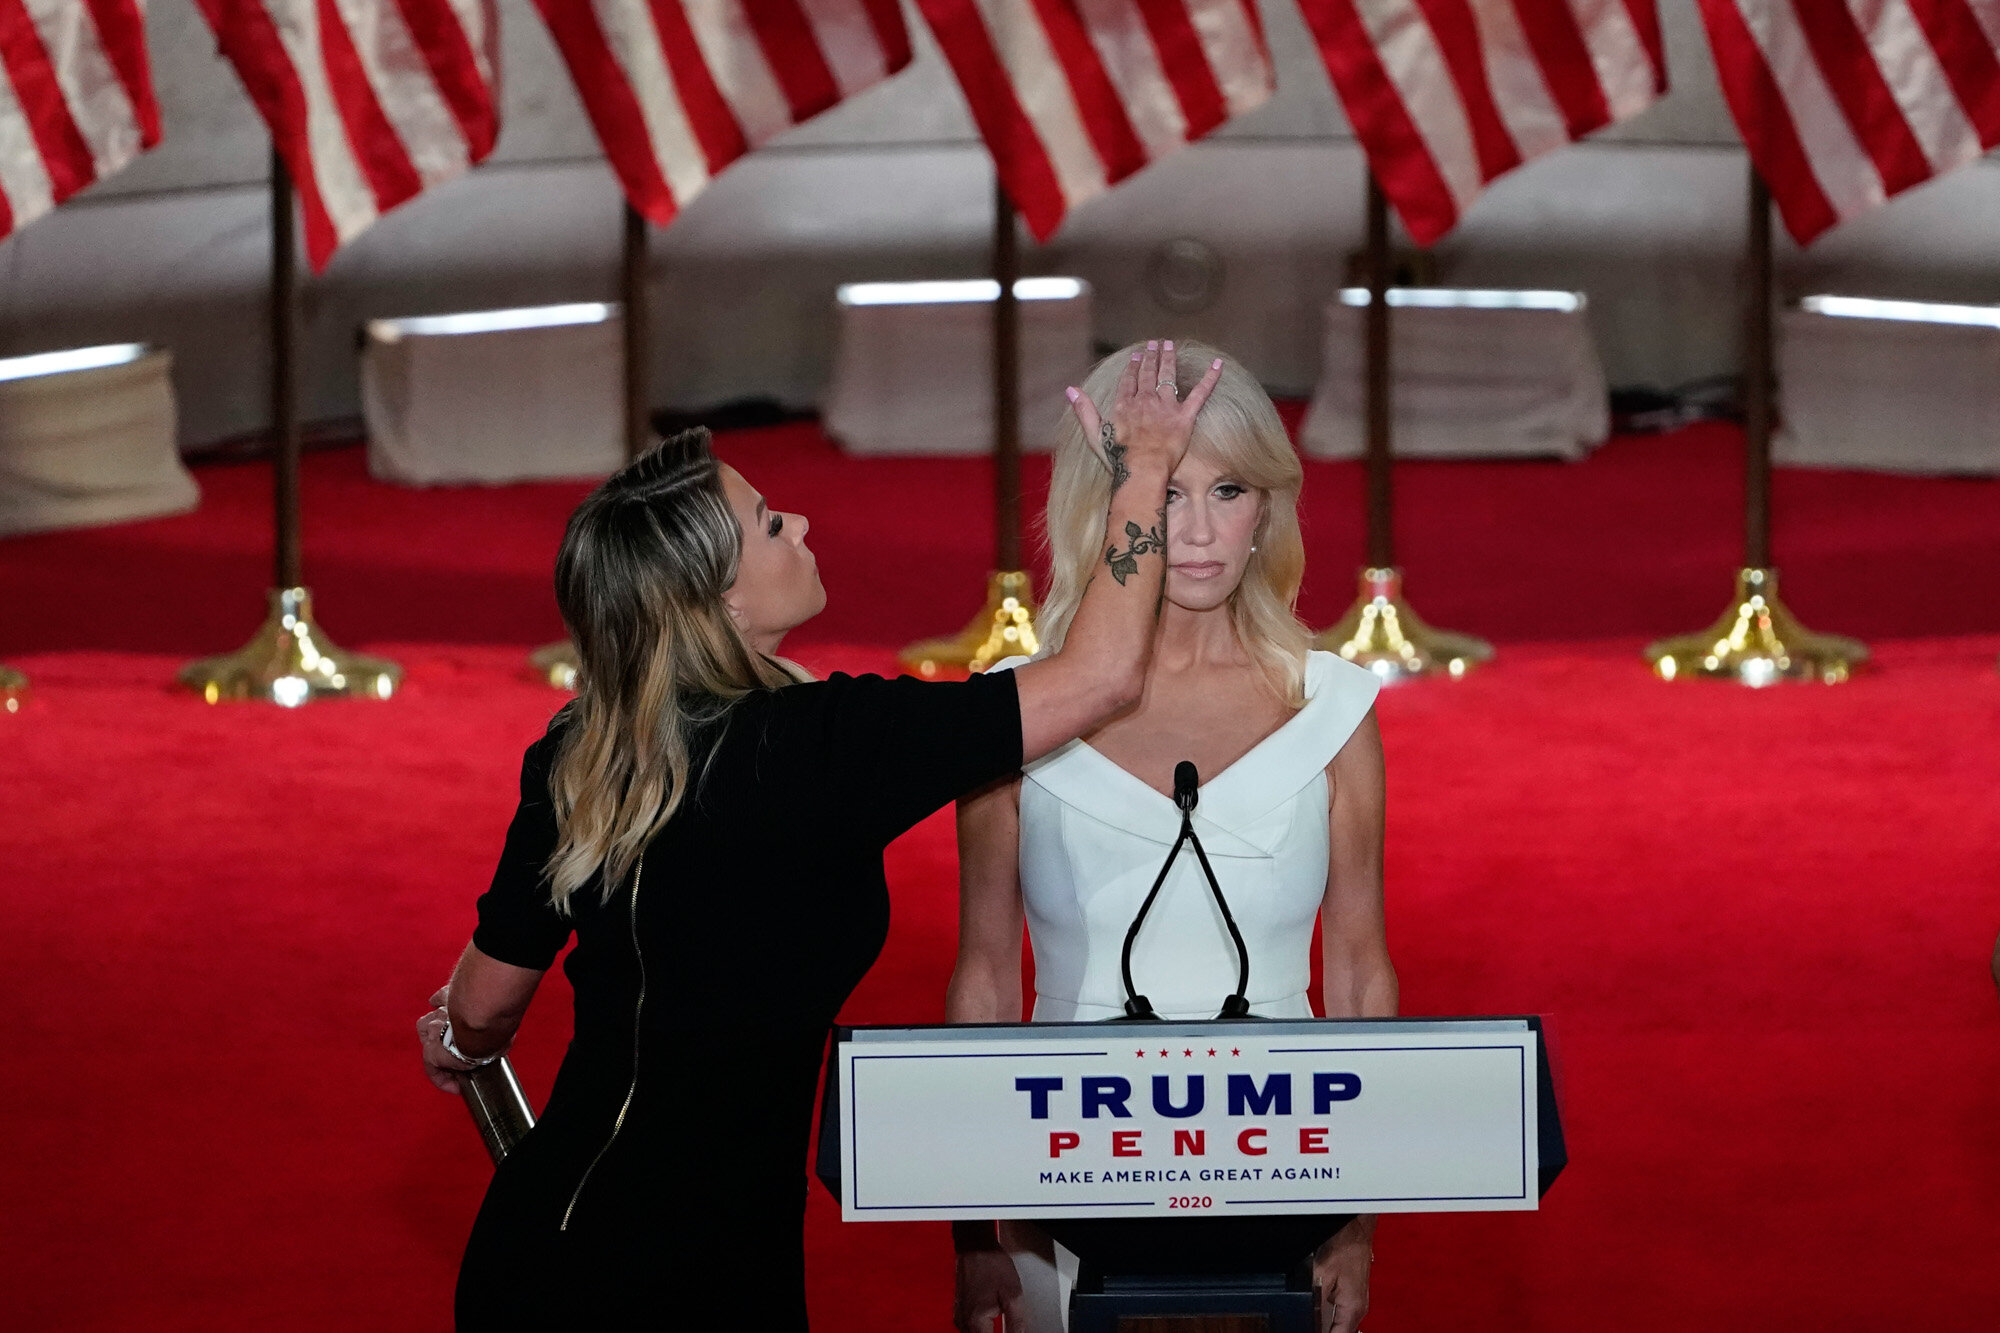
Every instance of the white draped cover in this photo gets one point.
(509, 404)
(1469, 382)
(1894, 395)
(916, 377)
(80, 448)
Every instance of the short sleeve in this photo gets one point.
(898, 749)
(518, 923)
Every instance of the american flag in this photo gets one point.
(369, 102)
(76, 100)
(1073, 96)
(1844, 105)
(1447, 95)
(679, 89)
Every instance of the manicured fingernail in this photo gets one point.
(1071, 394)
(1215, 364)
(1135, 356)
(1168, 344)
(1152, 346)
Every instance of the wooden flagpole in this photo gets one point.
(1757, 378)
(288, 554)
(633, 274)
(289, 661)
(1379, 630)
(1006, 626)
(1757, 641)
(557, 662)
(1006, 384)
(1380, 385)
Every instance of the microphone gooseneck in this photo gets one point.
(1137, 1005)
(1236, 1006)
(1187, 793)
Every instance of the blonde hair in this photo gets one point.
(640, 580)
(1238, 432)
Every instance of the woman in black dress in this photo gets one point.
(710, 824)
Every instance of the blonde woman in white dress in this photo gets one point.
(1290, 811)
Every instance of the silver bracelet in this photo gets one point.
(451, 1049)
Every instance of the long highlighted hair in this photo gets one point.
(640, 580)
(1238, 431)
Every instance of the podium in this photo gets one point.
(1193, 1168)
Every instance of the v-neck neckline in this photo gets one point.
(1267, 775)
(1232, 766)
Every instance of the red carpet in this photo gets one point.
(1759, 921)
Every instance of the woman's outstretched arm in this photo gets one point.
(1101, 669)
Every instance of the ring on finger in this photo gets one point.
(1169, 386)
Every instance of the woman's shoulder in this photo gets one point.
(1338, 697)
(1333, 676)
(539, 759)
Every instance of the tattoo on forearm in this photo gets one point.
(1140, 541)
(1114, 455)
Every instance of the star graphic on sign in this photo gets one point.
(1211, 1050)
(1162, 1052)
(1140, 1054)
(1234, 1051)
(1187, 1052)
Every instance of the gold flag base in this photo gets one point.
(13, 690)
(1757, 642)
(556, 663)
(290, 662)
(1380, 632)
(1006, 628)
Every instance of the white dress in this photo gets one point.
(1092, 839)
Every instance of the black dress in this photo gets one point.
(668, 1171)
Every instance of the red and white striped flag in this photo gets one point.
(369, 102)
(1446, 95)
(679, 89)
(1073, 96)
(76, 100)
(1843, 105)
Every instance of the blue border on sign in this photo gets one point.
(1059, 1210)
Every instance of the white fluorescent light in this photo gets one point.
(1468, 298)
(1922, 312)
(492, 321)
(1045, 289)
(964, 290)
(76, 358)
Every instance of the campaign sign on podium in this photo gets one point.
(1110, 1120)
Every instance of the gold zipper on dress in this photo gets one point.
(638, 1010)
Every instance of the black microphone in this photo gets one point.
(1187, 793)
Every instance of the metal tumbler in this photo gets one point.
(498, 1107)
